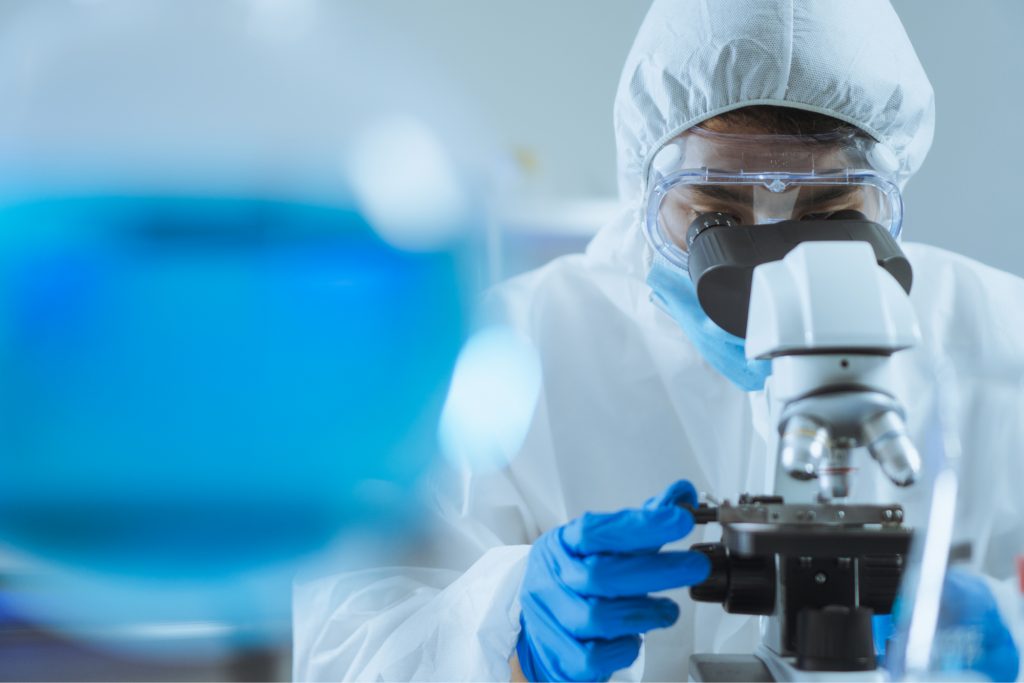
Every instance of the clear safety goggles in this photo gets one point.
(762, 179)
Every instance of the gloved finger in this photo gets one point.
(968, 605)
(612, 576)
(625, 531)
(681, 491)
(1000, 658)
(602, 658)
(966, 599)
(569, 658)
(548, 642)
(588, 618)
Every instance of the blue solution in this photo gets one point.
(198, 386)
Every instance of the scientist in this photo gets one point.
(640, 390)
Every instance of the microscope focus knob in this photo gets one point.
(743, 585)
(706, 221)
(715, 588)
(879, 581)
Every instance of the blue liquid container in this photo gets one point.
(197, 386)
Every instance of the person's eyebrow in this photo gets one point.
(809, 196)
(720, 193)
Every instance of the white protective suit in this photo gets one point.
(629, 406)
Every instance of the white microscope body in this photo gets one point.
(830, 319)
(813, 565)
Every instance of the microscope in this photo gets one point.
(827, 301)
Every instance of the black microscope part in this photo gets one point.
(835, 638)
(723, 255)
(743, 585)
(702, 513)
(706, 221)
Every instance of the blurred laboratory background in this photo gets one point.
(540, 78)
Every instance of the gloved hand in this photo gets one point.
(970, 626)
(971, 634)
(585, 595)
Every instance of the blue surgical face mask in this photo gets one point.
(673, 289)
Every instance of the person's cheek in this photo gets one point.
(675, 219)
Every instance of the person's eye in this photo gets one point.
(817, 216)
(841, 213)
(711, 208)
(823, 213)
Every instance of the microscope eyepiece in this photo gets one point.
(706, 221)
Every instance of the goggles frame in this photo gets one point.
(664, 245)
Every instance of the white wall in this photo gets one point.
(963, 198)
(544, 73)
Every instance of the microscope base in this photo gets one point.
(766, 666)
(728, 668)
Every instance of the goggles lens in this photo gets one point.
(799, 179)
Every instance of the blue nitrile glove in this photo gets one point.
(882, 627)
(971, 635)
(585, 593)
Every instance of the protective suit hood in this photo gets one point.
(694, 59)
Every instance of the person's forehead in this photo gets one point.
(754, 153)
